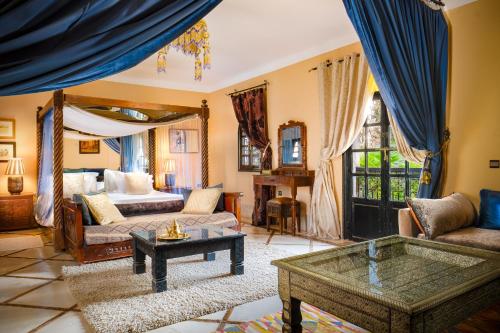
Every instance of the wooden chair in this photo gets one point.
(281, 209)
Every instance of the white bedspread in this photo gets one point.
(155, 196)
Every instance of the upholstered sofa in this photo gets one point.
(488, 239)
(103, 242)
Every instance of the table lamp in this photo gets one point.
(170, 173)
(15, 171)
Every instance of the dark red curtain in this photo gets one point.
(251, 112)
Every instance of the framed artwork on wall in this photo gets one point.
(7, 128)
(89, 147)
(7, 150)
(183, 141)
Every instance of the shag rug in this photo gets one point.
(113, 299)
(314, 320)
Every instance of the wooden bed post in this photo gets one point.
(58, 170)
(152, 154)
(205, 114)
(39, 133)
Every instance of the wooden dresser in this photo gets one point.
(16, 211)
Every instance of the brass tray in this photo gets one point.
(169, 238)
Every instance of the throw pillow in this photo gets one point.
(489, 210)
(137, 183)
(114, 181)
(414, 217)
(439, 216)
(73, 183)
(87, 218)
(220, 203)
(202, 201)
(102, 209)
(90, 182)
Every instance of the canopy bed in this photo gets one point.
(91, 118)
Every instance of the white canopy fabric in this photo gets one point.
(87, 122)
(74, 135)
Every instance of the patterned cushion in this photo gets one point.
(475, 237)
(102, 209)
(220, 203)
(137, 183)
(202, 201)
(117, 232)
(439, 216)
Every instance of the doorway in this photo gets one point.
(377, 179)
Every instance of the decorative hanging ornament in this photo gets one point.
(193, 42)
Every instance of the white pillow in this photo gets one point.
(138, 183)
(114, 181)
(72, 184)
(90, 182)
(202, 201)
(100, 187)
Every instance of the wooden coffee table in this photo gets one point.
(204, 240)
(392, 284)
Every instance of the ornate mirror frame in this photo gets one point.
(303, 143)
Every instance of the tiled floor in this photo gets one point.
(34, 298)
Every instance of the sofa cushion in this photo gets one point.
(117, 232)
(475, 237)
(439, 216)
(489, 212)
(87, 218)
(202, 201)
(102, 209)
(220, 203)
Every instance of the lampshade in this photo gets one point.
(169, 166)
(15, 167)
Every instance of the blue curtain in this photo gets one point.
(133, 148)
(406, 44)
(44, 209)
(127, 153)
(113, 143)
(52, 44)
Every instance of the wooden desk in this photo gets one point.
(291, 181)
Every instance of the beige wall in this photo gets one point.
(106, 158)
(292, 95)
(474, 108)
(23, 109)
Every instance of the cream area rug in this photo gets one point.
(113, 299)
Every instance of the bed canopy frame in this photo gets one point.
(157, 113)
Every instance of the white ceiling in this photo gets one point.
(253, 37)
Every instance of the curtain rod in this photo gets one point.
(247, 89)
(328, 63)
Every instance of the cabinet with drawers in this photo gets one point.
(16, 211)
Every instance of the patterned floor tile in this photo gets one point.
(12, 286)
(44, 269)
(9, 264)
(257, 309)
(70, 322)
(55, 294)
(14, 319)
(36, 253)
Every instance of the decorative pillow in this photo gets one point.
(202, 201)
(489, 213)
(102, 209)
(90, 182)
(138, 183)
(220, 203)
(414, 217)
(87, 218)
(439, 216)
(72, 184)
(114, 181)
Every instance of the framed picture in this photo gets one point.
(7, 128)
(90, 147)
(7, 150)
(183, 141)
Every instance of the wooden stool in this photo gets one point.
(281, 209)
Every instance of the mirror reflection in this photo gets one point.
(292, 145)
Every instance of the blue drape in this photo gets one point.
(406, 44)
(44, 209)
(133, 148)
(113, 143)
(52, 44)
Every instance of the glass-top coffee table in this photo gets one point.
(204, 240)
(393, 284)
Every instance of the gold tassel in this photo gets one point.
(197, 68)
(426, 177)
(161, 61)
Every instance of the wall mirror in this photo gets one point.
(292, 145)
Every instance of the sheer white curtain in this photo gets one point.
(345, 88)
(188, 163)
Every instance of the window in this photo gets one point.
(248, 156)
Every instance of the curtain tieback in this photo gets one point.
(265, 150)
(426, 177)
